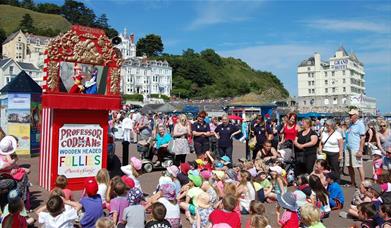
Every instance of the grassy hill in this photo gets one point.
(208, 75)
(10, 17)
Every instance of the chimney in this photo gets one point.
(125, 32)
(317, 60)
(132, 38)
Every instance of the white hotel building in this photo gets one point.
(140, 75)
(334, 85)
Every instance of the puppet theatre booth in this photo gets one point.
(81, 85)
(21, 113)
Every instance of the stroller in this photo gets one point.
(286, 150)
(146, 150)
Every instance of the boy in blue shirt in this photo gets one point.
(336, 196)
(92, 204)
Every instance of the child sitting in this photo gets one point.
(202, 211)
(226, 215)
(60, 213)
(92, 204)
(134, 214)
(289, 218)
(14, 199)
(191, 191)
(15, 207)
(62, 182)
(377, 163)
(158, 214)
(366, 212)
(103, 179)
(310, 216)
(119, 203)
(336, 195)
(132, 170)
(279, 186)
(104, 222)
(385, 214)
(256, 209)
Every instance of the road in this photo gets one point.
(150, 180)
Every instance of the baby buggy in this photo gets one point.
(286, 150)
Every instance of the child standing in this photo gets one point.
(62, 182)
(377, 163)
(158, 214)
(289, 218)
(92, 204)
(119, 203)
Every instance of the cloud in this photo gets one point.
(342, 25)
(218, 12)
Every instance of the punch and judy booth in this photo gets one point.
(82, 84)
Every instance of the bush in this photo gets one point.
(162, 96)
(133, 97)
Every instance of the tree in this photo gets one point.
(10, 2)
(151, 45)
(26, 24)
(110, 32)
(102, 21)
(28, 4)
(49, 8)
(3, 37)
(211, 56)
(77, 13)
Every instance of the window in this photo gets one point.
(309, 90)
(313, 82)
(344, 89)
(309, 83)
(332, 73)
(326, 82)
(313, 90)
(305, 102)
(343, 80)
(309, 75)
(333, 89)
(11, 70)
(308, 68)
(343, 72)
(19, 38)
(335, 101)
(326, 90)
(326, 101)
(325, 73)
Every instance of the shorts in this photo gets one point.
(351, 160)
(201, 148)
(192, 209)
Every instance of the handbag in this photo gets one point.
(171, 146)
(321, 154)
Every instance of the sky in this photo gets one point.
(269, 35)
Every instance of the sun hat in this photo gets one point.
(287, 201)
(199, 161)
(301, 198)
(232, 174)
(353, 112)
(137, 164)
(225, 160)
(168, 191)
(219, 174)
(194, 172)
(276, 169)
(135, 195)
(164, 180)
(206, 174)
(203, 200)
(377, 152)
(185, 167)
(91, 186)
(218, 164)
(128, 181)
(252, 171)
(8, 145)
(14, 195)
(173, 170)
(197, 180)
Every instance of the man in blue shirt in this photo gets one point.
(355, 141)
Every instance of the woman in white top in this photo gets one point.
(331, 143)
(246, 191)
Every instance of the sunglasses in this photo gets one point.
(383, 125)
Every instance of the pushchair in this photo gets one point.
(286, 150)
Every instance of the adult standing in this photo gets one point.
(355, 140)
(201, 133)
(224, 133)
(182, 131)
(306, 144)
(384, 135)
(331, 143)
(260, 133)
(290, 129)
(370, 138)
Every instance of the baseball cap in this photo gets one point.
(353, 112)
(91, 186)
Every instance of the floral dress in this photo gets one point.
(204, 215)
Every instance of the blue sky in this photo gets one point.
(269, 35)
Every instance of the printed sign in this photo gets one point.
(340, 64)
(80, 150)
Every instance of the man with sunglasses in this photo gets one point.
(355, 142)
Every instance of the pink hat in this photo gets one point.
(206, 174)
(137, 164)
(173, 170)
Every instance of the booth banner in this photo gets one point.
(22, 132)
(80, 150)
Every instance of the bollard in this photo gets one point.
(125, 153)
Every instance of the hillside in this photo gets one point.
(207, 75)
(10, 17)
